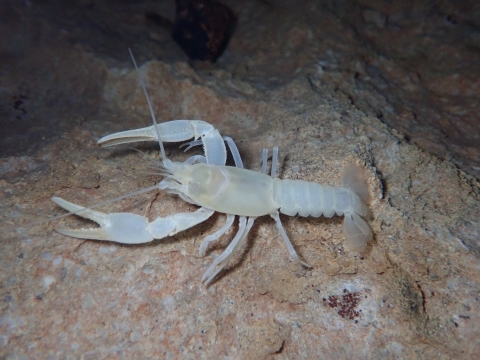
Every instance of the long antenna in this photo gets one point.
(166, 162)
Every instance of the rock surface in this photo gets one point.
(302, 78)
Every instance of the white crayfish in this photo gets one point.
(230, 190)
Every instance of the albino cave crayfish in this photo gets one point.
(206, 181)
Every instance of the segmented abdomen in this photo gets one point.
(311, 199)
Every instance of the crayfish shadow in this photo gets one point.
(149, 150)
(311, 231)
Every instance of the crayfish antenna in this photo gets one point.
(166, 162)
